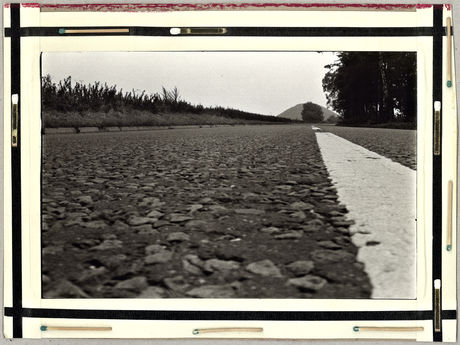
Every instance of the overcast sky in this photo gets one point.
(260, 82)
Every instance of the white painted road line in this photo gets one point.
(381, 198)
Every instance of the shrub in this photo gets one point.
(102, 101)
(312, 112)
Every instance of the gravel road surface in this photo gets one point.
(397, 144)
(234, 212)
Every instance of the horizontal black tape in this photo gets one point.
(240, 31)
(227, 315)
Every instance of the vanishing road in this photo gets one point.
(225, 212)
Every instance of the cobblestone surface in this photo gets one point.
(235, 212)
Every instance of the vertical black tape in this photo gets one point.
(16, 173)
(437, 159)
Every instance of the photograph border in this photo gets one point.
(18, 310)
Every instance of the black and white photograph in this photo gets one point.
(245, 174)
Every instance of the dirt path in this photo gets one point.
(240, 212)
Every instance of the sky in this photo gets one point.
(261, 82)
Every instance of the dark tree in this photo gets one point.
(372, 88)
(332, 119)
(312, 113)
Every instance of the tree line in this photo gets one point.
(65, 97)
(372, 87)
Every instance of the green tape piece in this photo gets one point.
(61, 31)
(356, 329)
(449, 247)
(449, 83)
(196, 331)
(43, 328)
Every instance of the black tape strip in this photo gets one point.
(16, 172)
(242, 31)
(449, 314)
(227, 315)
(437, 160)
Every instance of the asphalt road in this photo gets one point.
(380, 195)
(397, 144)
(230, 212)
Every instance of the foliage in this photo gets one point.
(312, 112)
(373, 87)
(71, 98)
(332, 119)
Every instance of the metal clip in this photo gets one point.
(197, 331)
(437, 129)
(198, 31)
(63, 31)
(449, 51)
(387, 329)
(450, 187)
(72, 328)
(437, 305)
(14, 119)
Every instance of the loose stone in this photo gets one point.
(113, 260)
(195, 224)
(218, 209)
(134, 284)
(155, 214)
(140, 220)
(299, 214)
(108, 245)
(96, 224)
(302, 206)
(290, 235)
(177, 237)
(161, 223)
(264, 268)
(85, 200)
(212, 291)
(153, 292)
(178, 218)
(52, 250)
(308, 283)
(301, 267)
(249, 211)
(154, 248)
(190, 268)
(65, 289)
(91, 276)
(271, 230)
(158, 258)
(213, 265)
(195, 207)
(176, 283)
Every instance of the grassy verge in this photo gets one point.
(394, 125)
(54, 119)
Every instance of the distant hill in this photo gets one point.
(295, 112)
